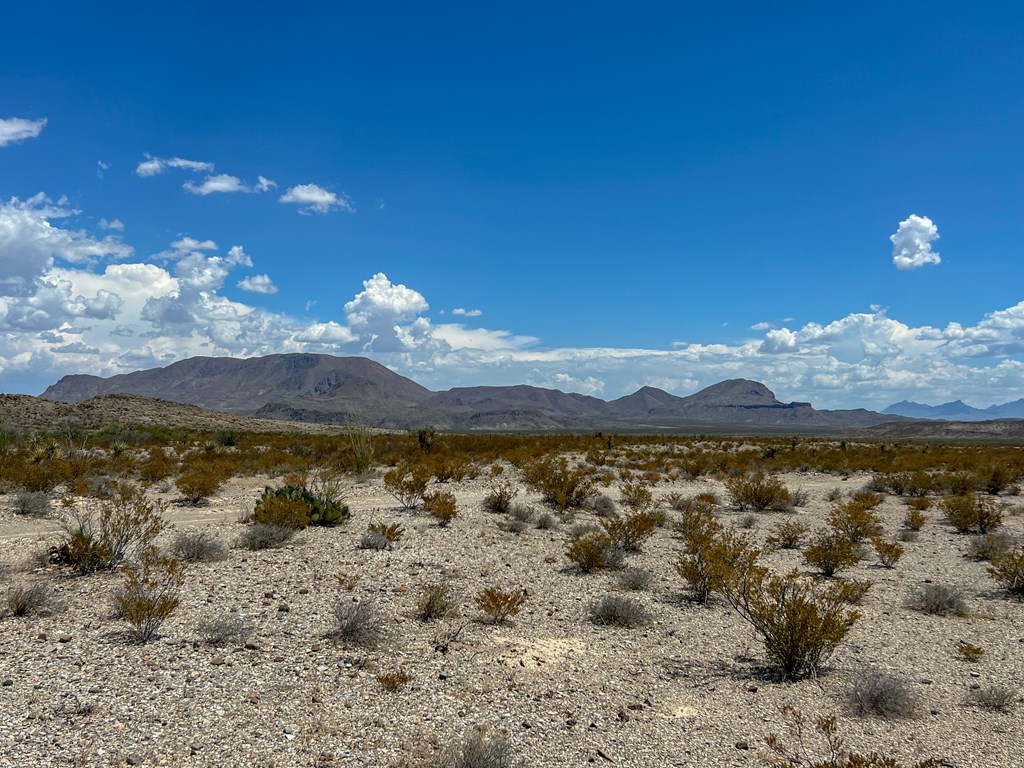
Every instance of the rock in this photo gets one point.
(64, 638)
(742, 745)
(217, 661)
(7, 683)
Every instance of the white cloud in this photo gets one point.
(467, 312)
(763, 326)
(315, 199)
(153, 166)
(225, 183)
(264, 184)
(258, 284)
(112, 224)
(912, 243)
(15, 129)
(101, 167)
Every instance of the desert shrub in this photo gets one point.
(157, 467)
(358, 456)
(197, 547)
(637, 495)
(907, 535)
(199, 481)
(914, 519)
(747, 521)
(799, 498)
(435, 601)
(1008, 570)
(619, 611)
(522, 513)
(834, 494)
(938, 600)
(852, 591)
(989, 546)
(889, 552)
(920, 503)
(479, 749)
(998, 478)
(881, 695)
(381, 536)
(833, 753)
(224, 629)
(970, 653)
(149, 594)
(560, 485)
(602, 505)
(968, 512)
(788, 534)
(407, 483)
(711, 556)
(996, 698)
(441, 505)
(295, 505)
(758, 492)
(635, 579)
(34, 599)
(830, 552)
(800, 622)
(394, 680)
(497, 605)
(499, 497)
(591, 550)
(546, 521)
(357, 624)
(629, 532)
(32, 504)
(866, 498)
(855, 521)
(104, 534)
(265, 536)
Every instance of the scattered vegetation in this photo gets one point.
(619, 611)
(938, 600)
(34, 599)
(197, 547)
(498, 605)
(150, 594)
(265, 536)
(358, 623)
(759, 491)
(883, 695)
(436, 601)
(224, 629)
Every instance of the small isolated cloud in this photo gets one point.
(112, 224)
(226, 183)
(912, 243)
(100, 168)
(153, 166)
(258, 284)
(315, 199)
(15, 129)
(764, 326)
(467, 312)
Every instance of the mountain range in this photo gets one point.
(355, 390)
(957, 410)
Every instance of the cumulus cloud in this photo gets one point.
(912, 243)
(467, 312)
(153, 166)
(30, 243)
(112, 224)
(15, 129)
(258, 284)
(315, 199)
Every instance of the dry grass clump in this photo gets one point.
(32, 504)
(394, 680)
(970, 653)
(436, 601)
(938, 600)
(635, 579)
(498, 605)
(224, 629)
(381, 536)
(263, 536)
(619, 611)
(996, 698)
(990, 546)
(479, 749)
(546, 521)
(357, 624)
(602, 505)
(197, 547)
(35, 599)
(880, 694)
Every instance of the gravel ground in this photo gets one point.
(689, 689)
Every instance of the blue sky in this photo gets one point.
(587, 196)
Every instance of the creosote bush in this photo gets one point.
(889, 552)
(914, 519)
(969, 512)
(199, 480)
(711, 554)
(150, 594)
(855, 521)
(788, 534)
(407, 483)
(831, 552)
(499, 497)
(758, 492)
(294, 505)
(1008, 570)
(101, 535)
(628, 532)
(561, 486)
(498, 605)
(593, 550)
(880, 694)
(441, 505)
